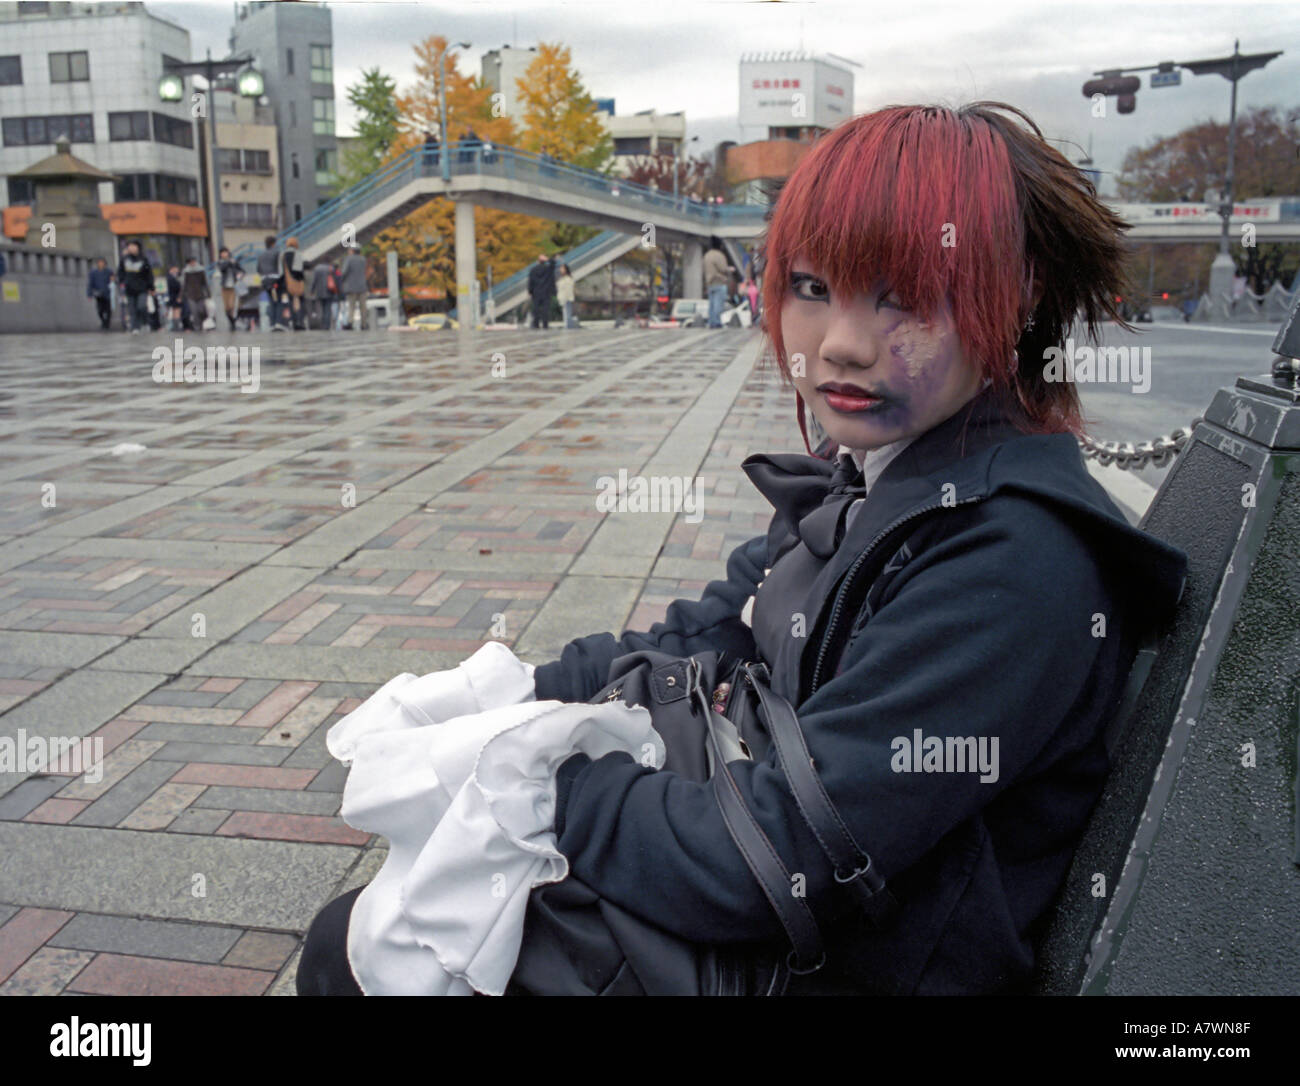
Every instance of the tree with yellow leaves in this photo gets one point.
(560, 117)
(505, 241)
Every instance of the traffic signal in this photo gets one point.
(1123, 85)
(1126, 103)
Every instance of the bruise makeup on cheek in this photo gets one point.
(916, 343)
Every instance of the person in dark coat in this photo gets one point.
(196, 292)
(946, 597)
(135, 279)
(541, 289)
(175, 300)
(99, 285)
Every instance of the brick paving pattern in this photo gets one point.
(209, 607)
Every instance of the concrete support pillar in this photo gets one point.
(466, 265)
(396, 317)
(693, 269)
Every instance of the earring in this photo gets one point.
(1029, 324)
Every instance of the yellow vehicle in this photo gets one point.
(432, 322)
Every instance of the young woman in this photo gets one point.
(231, 273)
(945, 596)
(564, 294)
(294, 278)
(174, 299)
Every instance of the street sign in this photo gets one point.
(1166, 79)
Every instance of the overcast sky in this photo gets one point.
(671, 55)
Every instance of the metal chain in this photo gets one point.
(1124, 454)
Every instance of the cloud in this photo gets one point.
(674, 56)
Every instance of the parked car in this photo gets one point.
(690, 312)
(432, 322)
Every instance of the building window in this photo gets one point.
(21, 191)
(632, 145)
(11, 71)
(129, 126)
(70, 67)
(326, 163)
(246, 215)
(31, 7)
(157, 186)
(34, 131)
(293, 164)
(297, 212)
(132, 187)
(322, 116)
(233, 160)
(288, 61)
(173, 130)
(322, 64)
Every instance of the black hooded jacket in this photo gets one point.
(1007, 596)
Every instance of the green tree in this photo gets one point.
(374, 96)
(1188, 164)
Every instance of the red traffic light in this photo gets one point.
(1126, 103)
(1116, 84)
(1164, 297)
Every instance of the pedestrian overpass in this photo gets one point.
(630, 214)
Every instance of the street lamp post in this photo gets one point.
(442, 105)
(1232, 68)
(171, 88)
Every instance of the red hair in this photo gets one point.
(965, 206)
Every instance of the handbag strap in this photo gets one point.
(808, 954)
(853, 867)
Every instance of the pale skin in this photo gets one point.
(917, 368)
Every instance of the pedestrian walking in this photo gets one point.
(294, 278)
(322, 298)
(751, 292)
(564, 295)
(268, 268)
(717, 277)
(430, 153)
(195, 290)
(230, 274)
(541, 289)
(174, 300)
(135, 278)
(354, 287)
(99, 286)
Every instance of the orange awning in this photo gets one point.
(136, 217)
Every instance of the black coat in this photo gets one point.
(134, 274)
(541, 280)
(988, 570)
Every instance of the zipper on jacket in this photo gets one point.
(847, 582)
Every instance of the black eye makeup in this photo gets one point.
(800, 280)
(810, 288)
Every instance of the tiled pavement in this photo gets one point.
(210, 606)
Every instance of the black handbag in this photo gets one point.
(709, 711)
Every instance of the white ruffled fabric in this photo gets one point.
(457, 770)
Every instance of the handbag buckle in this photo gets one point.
(879, 904)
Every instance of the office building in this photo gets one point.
(90, 73)
(292, 45)
(248, 156)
